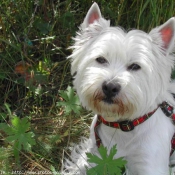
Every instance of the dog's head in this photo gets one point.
(118, 74)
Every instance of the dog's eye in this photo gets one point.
(134, 67)
(101, 60)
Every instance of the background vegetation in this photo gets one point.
(37, 120)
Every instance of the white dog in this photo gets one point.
(125, 78)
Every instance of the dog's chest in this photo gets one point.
(156, 131)
(125, 142)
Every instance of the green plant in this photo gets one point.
(106, 164)
(71, 101)
(18, 134)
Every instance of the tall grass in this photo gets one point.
(34, 36)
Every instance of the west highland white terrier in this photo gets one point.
(125, 78)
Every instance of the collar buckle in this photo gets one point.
(167, 109)
(126, 126)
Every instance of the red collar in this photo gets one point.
(130, 125)
(126, 125)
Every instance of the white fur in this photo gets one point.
(148, 146)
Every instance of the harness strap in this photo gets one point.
(127, 125)
(168, 111)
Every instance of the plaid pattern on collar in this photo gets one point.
(130, 125)
(168, 111)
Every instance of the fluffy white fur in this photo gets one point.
(147, 147)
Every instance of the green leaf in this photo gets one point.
(71, 101)
(93, 158)
(106, 164)
(18, 134)
(103, 152)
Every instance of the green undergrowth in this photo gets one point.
(40, 115)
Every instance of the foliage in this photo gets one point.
(106, 164)
(71, 101)
(18, 134)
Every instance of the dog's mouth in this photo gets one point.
(107, 105)
(108, 100)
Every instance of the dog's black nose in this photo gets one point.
(111, 89)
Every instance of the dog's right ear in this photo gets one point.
(93, 15)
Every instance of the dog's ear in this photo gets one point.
(166, 34)
(93, 15)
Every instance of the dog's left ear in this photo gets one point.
(93, 15)
(167, 33)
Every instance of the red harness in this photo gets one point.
(130, 125)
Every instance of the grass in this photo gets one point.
(34, 36)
